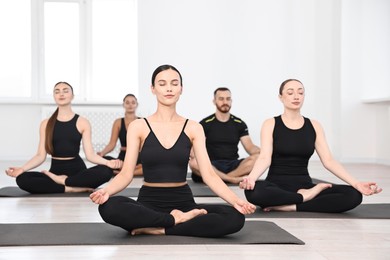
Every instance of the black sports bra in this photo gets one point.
(161, 165)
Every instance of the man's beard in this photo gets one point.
(224, 108)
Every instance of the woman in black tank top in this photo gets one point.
(60, 136)
(165, 203)
(288, 141)
(119, 131)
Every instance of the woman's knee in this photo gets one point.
(109, 209)
(236, 221)
(23, 181)
(103, 172)
(355, 197)
(115, 206)
(256, 196)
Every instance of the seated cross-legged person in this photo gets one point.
(224, 132)
(165, 203)
(288, 141)
(119, 131)
(60, 136)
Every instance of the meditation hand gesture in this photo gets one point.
(245, 207)
(367, 188)
(14, 171)
(247, 184)
(99, 196)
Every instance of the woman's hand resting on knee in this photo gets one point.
(99, 196)
(244, 207)
(247, 183)
(367, 188)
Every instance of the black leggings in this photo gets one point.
(337, 199)
(153, 207)
(75, 169)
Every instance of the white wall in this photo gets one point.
(250, 46)
(365, 70)
(19, 131)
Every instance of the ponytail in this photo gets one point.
(49, 132)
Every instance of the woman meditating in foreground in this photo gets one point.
(287, 143)
(165, 203)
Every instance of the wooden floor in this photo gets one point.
(324, 238)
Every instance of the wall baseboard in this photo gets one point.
(366, 160)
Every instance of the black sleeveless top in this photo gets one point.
(122, 133)
(165, 165)
(292, 149)
(66, 138)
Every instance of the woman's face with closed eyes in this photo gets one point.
(63, 94)
(293, 95)
(167, 86)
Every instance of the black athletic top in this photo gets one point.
(66, 138)
(292, 149)
(122, 133)
(222, 138)
(165, 165)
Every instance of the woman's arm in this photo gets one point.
(113, 139)
(326, 157)
(196, 133)
(125, 176)
(323, 151)
(85, 128)
(264, 160)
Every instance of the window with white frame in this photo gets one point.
(91, 44)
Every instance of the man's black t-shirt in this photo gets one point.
(222, 138)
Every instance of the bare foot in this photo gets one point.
(181, 216)
(236, 180)
(231, 179)
(59, 179)
(285, 208)
(77, 189)
(309, 194)
(148, 231)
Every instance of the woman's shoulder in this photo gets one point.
(44, 123)
(118, 121)
(192, 124)
(269, 122)
(138, 123)
(316, 125)
(82, 120)
(194, 128)
(83, 124)
(314, 122)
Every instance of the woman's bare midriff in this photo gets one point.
(165, 184)
(63, 158)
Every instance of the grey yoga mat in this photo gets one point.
(363, 211)
(38, 234)
(13, 191)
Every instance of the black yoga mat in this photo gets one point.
(254, 232)
(363, 211)
(13, 191)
